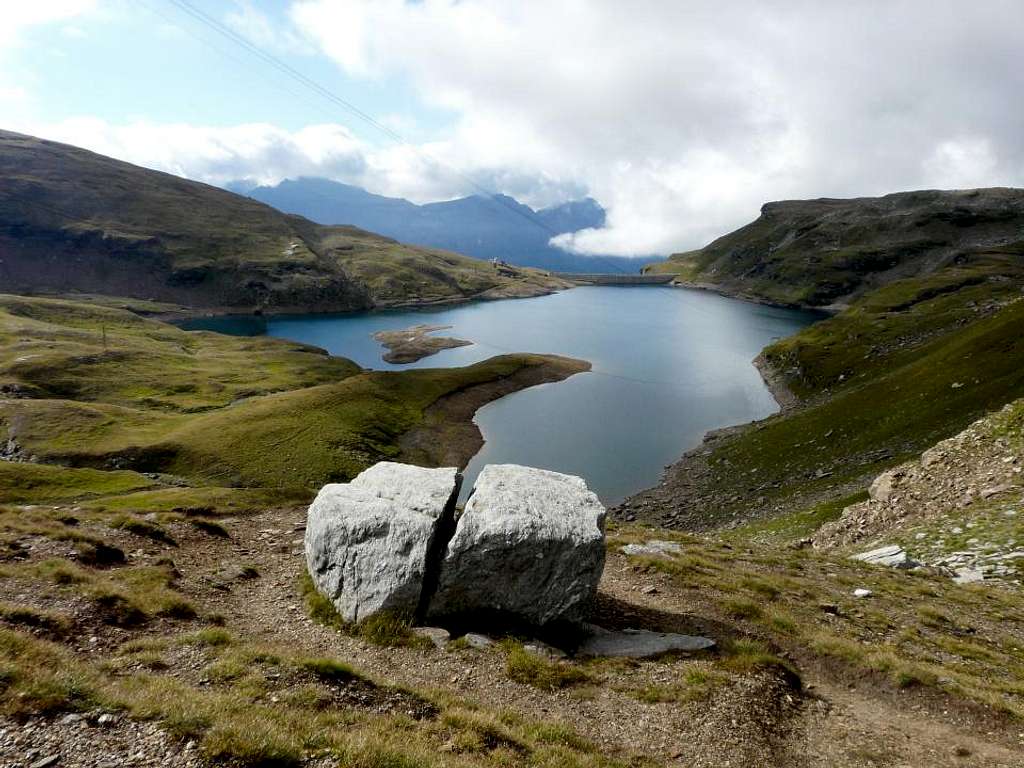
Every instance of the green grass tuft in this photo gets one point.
(531, 669)
(142, 528)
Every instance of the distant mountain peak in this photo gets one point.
(485, 226)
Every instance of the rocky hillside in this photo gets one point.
(958, 506)
(75, 221)
(826, 251)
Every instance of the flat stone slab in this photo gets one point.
(653, 548)
(640, 643)
(368, 541)
(438, 636)
(529, 545)
(892, 555)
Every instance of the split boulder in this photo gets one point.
(369, 542)
(529, 546)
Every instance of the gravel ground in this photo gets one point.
(96, 740)
(755, 720)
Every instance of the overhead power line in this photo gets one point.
(286, 69)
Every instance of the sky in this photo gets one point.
(680, 117)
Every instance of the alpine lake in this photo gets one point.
(668, 365)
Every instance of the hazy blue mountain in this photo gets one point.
(477, 225)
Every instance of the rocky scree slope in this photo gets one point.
(960, 506)
(75, 221)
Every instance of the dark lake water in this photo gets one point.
(669, 364)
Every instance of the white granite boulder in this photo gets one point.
(529, 546)
(369, 542)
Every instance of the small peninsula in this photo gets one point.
(412, 344)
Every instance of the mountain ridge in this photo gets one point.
(75, 221)
(826, 251)
(498, 227)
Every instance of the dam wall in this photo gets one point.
(609, 279)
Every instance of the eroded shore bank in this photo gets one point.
(448, 436)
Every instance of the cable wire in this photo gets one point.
(205, 19)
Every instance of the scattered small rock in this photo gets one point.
(540, 648)
(438, 636)
(892, 555)
(653, 548)
(969, 576)
(478, 641)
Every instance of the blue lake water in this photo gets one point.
(669, 364)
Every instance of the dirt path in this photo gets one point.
(752, 721)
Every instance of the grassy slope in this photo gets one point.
(396, 274)
(101, 388)
(75, 221)
(815, 252)
(837, 443)
(917, 630)
(92, 354)
(904, 365)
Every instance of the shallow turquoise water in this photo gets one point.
(669, 364)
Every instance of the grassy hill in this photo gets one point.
(819, 252)
(929, 339)
(100, 395)
(75, 221)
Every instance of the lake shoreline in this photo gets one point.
(449, 436)
(730, 293)
(666, 359)
(694, 462)
(184, 313)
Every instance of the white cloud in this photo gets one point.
(259, 153)
(20, 16)
(261, 30)
(262, 153)
(682, 118)
(17, 19)
(964, 163)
